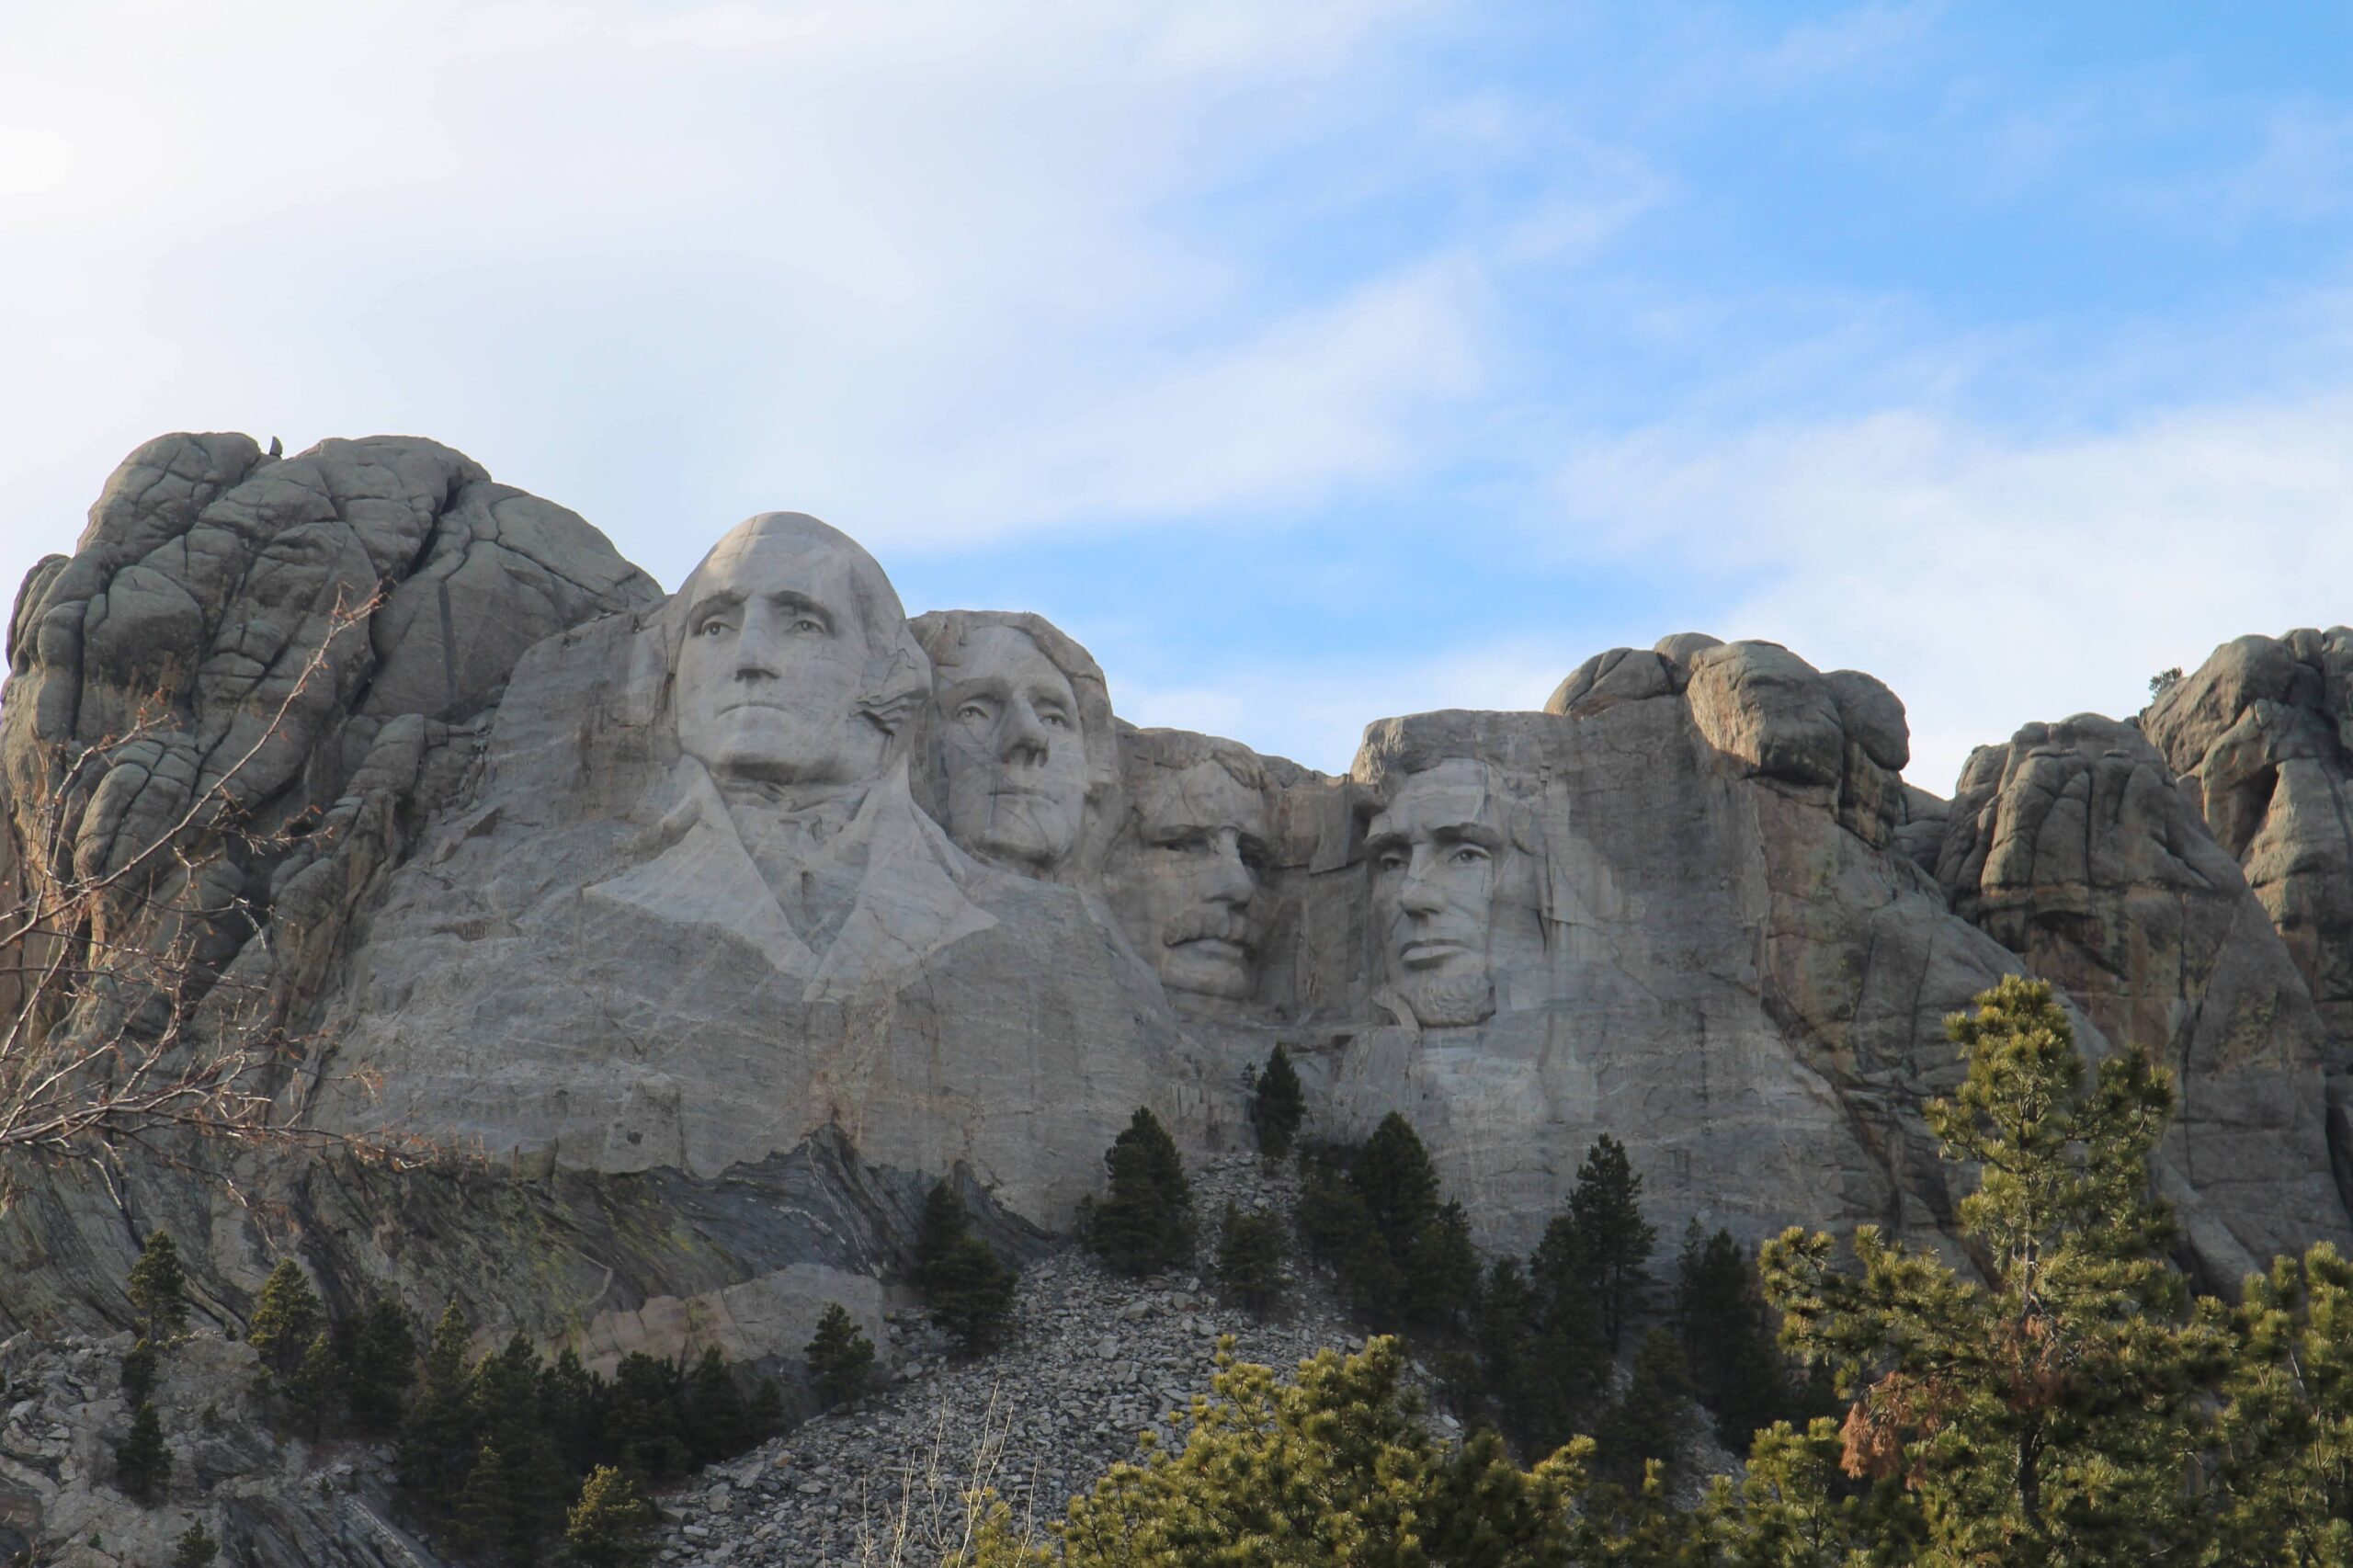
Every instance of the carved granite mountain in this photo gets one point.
(702, 934)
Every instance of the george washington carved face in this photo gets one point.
(785, 669)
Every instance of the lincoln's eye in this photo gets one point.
(1053, 720)
(1468, 854)
(1391, 861)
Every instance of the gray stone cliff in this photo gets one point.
(694, 937)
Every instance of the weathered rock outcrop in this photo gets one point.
(2261, 737)
(2072, 847)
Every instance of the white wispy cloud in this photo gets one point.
(1994, 576)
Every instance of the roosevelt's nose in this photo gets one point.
(1229, 880)
(1023, 739)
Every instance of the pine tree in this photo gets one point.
(484, 1519)
(159, 1291)
(1333, 1467)
(944, 1224)
(2042, 1420)
(438, 1442)
(1737, 1371)
(1393, 1175)
(571, 1408)
(312, 1391)
(142, 1464)
(719, 1424)
(1251, 1252)
(767, 1409)
(840, 1356)
(1144, 1223)
(1277, 1105)
(1441, 1269)
(195, 1547)
(1613, 1239)
(964, 1287)
(140, 1372)
(383, 1365)
(1646, 1425)
(612, 1525)
(648, 1409)
(2280, 1475)
(502, 1402)
(1567, 1369)
(284, 1321)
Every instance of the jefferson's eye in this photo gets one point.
(978, 712)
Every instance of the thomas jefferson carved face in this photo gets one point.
(1189, 880)
(774, 667)
(1432, 857)
(1011, 750)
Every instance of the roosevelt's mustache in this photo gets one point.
(1211, 925)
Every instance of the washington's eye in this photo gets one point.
(808, 623)
(715, 626)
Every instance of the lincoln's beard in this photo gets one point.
(1449, 1002)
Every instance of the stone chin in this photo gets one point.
(1029, 830)
(1449, 1002)
(1208, 966)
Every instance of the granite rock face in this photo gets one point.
(2073, 849)
(2262, 739)
(709, 930)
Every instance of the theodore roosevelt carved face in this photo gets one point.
(787, 675)
(1186, 873)
(1432, 852)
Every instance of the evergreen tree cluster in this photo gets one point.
(499, 1448)
(965, 1287)
(2071, 1405)
(1144, 1223)
(1402, 1258)
(1278, 1103)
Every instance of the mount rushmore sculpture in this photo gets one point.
(708, 929)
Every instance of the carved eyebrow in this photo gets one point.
(725, 599)
(1476, 833)
(1390, 840)
(785, 599)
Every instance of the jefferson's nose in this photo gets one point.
(1026, 740)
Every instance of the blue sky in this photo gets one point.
(1310, 363)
